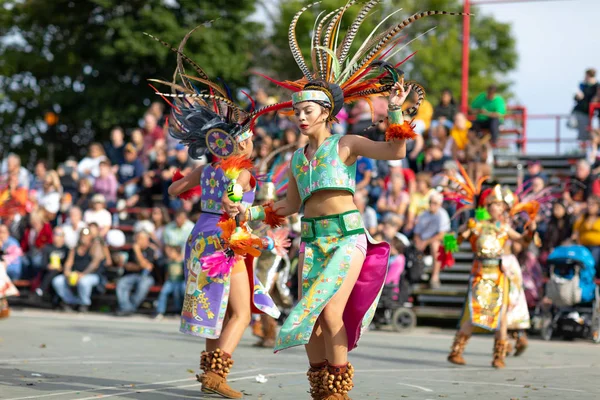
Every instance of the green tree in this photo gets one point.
(88, 61)
(436, 65)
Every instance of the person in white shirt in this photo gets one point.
(73, 227)
(98, 214)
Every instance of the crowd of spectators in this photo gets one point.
(108, 217)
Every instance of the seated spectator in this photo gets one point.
(12, 167)
(174, 281)
(106, 184)
(12, 253)
(98, 214)
(534, 170)
(586, 230)
(39, 175)
(138, 273)
(395, 199)
(69, 178)
(152, 131)
(100, 242)
(489, 108)
(459, 137)
(419, 200)
(37, 235)
(533, 278)
(364, 172)
(160, 218)
(82, 272)
(445, 111)
(429, 232)
(369, 215)
(558, 231)
(49, 197)
(115, 148)
(55, 256)
(84, 194)
(73, 226)
(435, 159)
(130, 172)
(581, 186)
(177, 232)
(390, 227)
(89, 167)
(182, 160)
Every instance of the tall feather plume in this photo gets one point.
(197, 68)
(344, 49)
(317, 43)
(180, 69)
(294, 46)
(330, 34)
(393, 31)
(315, 58)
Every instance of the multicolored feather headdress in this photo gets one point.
(339, 77)
(207, 119)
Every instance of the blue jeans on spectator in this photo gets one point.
(31, 264)
(130, 190)
(129, 302)
(14, 270)
(177, 288)
(84, 289)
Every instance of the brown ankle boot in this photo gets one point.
(270, 330)
(499, 353)
(216, 365)
(4, 309)
(457, 349)
(338, 382)
(522, 344)
(509, 349)
(317, 374)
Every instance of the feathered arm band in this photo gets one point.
(446, 250)
(398, 128)
(265, 213)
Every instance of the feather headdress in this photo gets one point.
(204, 116)
(466, 194)
(347, 77)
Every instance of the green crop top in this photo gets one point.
(324, 171)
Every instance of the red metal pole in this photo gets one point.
(464, 93)
(557, 135)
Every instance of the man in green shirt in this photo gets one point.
(489, 108)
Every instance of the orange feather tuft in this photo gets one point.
(273, 219)
(401, 132)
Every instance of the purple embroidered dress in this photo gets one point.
(206, 298)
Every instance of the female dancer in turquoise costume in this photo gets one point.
(217, 306)
(341, 269)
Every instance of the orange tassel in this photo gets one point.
(235, 164)
(273, 219)
(402, 132)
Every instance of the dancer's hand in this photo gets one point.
(229, 206)
(399, 93)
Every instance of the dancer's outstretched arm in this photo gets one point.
(186, 183)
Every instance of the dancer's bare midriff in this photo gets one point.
(328, 202)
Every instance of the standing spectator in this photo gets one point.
(82, 272)
(174, 281)
(130, 172)
(73, 227)
(115, 149)
(176, 233)
(89, 167)
(445, 111)
(98, 214)
(588, 89)
(12, 253)
(138, 274)
(429, 232)
(55, 256)
(36, 236)
(368, 214)
(489, 108)
(107, 184)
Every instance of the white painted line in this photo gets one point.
(101, 388)
(500, 384)
(415, 386)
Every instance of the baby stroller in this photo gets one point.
(394, 307)
(575, 309)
